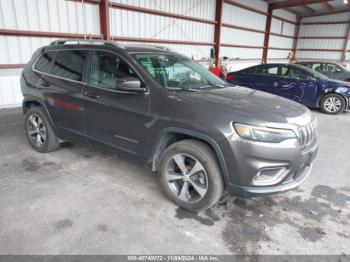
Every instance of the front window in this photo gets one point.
(295, 73)
(107, 68)
(177, 72)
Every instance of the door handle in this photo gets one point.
(91, 95)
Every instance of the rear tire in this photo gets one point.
(190, 175)
(39, 131)
(333, 104)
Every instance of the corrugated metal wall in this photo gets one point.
(37, 15)
(319, 37)
(126, 23)
(74, 17)
(236, 16)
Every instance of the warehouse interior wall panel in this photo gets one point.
(234, 15)
(327, 18)
(321, 43)
(317, 55)
(282, 42)
(159, 27)
(240, 37)
(241, 53)
(204, 9)
(280, 54)
(323, 30)
(19, 49)
(50, 16)
(10, 91)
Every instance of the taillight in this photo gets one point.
(229, 77)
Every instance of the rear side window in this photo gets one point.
(70, 64)
(267, 70)
(44, 62)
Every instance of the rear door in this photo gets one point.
(297, 85)
(266, 78)
(113, 118)
(62, 87)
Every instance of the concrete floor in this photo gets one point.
(80, 201)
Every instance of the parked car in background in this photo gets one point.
(201, 134)
(296, 82)
(329, 69)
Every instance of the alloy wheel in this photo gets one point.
(186, 178)
(332, 104)
(36, 130)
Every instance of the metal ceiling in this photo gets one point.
(306, 8)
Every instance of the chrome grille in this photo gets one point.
(307, 135)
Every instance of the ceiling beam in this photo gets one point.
(309, 9)
(289, 9)
(328, 6)
(330, 12)
(285, 4)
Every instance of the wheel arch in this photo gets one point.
(29, 102)
(332, 92)
(171, 135)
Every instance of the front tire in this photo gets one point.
(39, 131)
(190, 175)
(333, 104)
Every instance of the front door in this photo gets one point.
(297, 85)
(114, 118)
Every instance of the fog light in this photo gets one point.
(269, 176)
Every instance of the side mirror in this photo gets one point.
(129, 84)
(338, 70)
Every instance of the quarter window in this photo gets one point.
(70, 64)
(107, 68)
(44, 62)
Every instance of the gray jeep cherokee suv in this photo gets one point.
(201, 134)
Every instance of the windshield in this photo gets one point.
(178, 72)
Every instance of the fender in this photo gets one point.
(163, 136)
(29, 98)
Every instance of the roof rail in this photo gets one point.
(84, 42)
(159, 47)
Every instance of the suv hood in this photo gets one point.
(250, 105)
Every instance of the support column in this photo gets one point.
(267, 33)
(296, 35)
(217, 30)
(104, 19)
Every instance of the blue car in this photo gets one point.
(296, 82)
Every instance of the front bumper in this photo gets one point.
(250, 157)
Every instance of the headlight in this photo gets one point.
(263, 134)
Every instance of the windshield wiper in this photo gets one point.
(182, 89)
